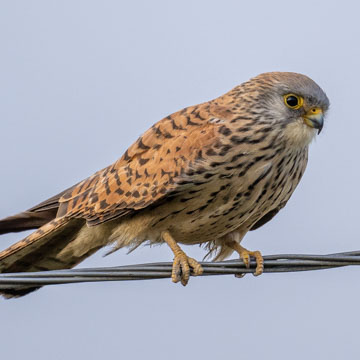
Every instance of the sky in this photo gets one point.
(81, 80)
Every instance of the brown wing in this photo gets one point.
(267, 217)
(167, 159)
(33, 218)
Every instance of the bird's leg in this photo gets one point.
(182, 263)
(245, 256)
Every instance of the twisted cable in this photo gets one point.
(272, 264)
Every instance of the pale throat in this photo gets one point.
(298, 134)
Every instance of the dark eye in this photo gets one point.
(293, 101)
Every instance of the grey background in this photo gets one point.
(81, 80)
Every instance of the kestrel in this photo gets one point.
(204, 175)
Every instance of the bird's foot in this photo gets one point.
(182, 266)
(245, 256)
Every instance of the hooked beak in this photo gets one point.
(314, 118)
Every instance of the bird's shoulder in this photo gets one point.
(169, 157)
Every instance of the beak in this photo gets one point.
(314, 118)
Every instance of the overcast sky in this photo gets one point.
(81, 80)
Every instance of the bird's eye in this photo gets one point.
(293, 101)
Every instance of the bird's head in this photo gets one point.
(292, 101)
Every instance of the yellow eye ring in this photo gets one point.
(293, 101)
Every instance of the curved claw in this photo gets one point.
(259, 262)
(197, 268)
(245, 256)
(182, 266)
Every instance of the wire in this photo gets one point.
(272, 264)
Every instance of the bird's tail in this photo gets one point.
(26, 220)
(48, 248)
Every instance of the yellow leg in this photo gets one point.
(182, 263)
(245, 256)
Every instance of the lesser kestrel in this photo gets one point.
(204, 175)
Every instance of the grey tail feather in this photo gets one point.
(33, 218)
(13, 293)
(26, 220)
(45, 252)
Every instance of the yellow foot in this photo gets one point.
(245, 256)
(182, 263)
(181, 268)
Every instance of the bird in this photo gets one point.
(204, 175)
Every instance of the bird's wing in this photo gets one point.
(169, 158)
(51, 203)
(266, 218)
(32, 218)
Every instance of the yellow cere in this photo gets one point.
(315, 111)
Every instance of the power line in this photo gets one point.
(272, 264)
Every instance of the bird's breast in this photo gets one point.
(238, 193)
